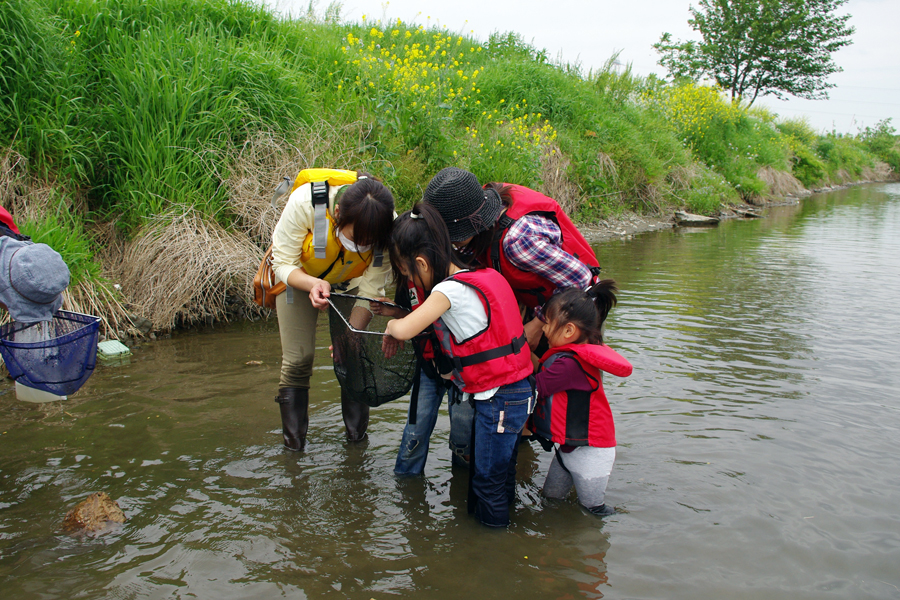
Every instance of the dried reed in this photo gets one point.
(880, 172)
(259, 164)
(607, 167)
(556, 183)
(183, 266)
(780, 183)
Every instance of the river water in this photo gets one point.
(758, 449)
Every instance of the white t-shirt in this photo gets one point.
(465, 317)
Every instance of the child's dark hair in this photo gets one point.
(369, 206)
(588, 310)
(422, 232)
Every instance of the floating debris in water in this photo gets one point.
(93, 514)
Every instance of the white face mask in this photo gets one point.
(351, 246)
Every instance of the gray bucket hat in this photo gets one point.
(466, 207)
(32, 280)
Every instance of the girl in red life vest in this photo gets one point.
(572, 410)
(479, 332)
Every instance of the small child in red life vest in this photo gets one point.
(479, 333)
(572, 409)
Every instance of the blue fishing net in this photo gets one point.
(366, 375)
(55, 356)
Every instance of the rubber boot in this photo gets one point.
(356, 418)
(294, 403)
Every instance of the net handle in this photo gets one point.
(344, 319)
(355, 297)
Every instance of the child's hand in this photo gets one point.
(377, 308)
(390, 346)
(332, 351)
(533, 332)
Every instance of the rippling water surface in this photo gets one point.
(758, 450)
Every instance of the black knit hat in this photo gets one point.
(465, 206)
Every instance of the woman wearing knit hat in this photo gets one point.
(524, 235)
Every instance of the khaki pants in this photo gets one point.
(297, 326)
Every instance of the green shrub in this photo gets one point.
(64, 232)
(843, 155)
(707, 192)
(728, 137)
(806, 164)
(882, 141)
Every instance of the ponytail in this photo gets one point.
(586, 309)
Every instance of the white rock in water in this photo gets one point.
(683, 218)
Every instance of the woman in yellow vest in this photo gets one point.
(359, 216)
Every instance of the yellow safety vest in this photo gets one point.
(339, 263)
(334, 177)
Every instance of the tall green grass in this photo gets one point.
(64, 231)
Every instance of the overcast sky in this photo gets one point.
(589, 32)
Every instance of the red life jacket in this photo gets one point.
(416, 296)
(7, 220)
(8, 227)
(579, 417)
(496, 356)
(530, 288)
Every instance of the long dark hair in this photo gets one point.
(422, 232)
(588, 310)
(369, 206)
(482, 241)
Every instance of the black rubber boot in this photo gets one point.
(603, 510)
(294, 403)
(356, 418)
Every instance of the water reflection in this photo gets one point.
(757, 449)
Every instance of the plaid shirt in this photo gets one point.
(534, 244)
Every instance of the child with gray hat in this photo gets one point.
(32, 280)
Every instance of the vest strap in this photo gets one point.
(503, 224)
(320, 210)
(460, 362)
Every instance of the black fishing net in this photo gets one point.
(360, 363)
(55, 356)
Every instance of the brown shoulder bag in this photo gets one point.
(265, 286)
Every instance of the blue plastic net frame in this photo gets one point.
(59, 363)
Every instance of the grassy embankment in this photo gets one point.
(142, 138)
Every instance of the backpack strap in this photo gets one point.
(503, 224)
(283, 188)
(320, 210)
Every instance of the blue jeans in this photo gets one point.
(498, 425)
(414, 444)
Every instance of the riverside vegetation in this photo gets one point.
(142, 139)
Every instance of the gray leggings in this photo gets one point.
(586, 468)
